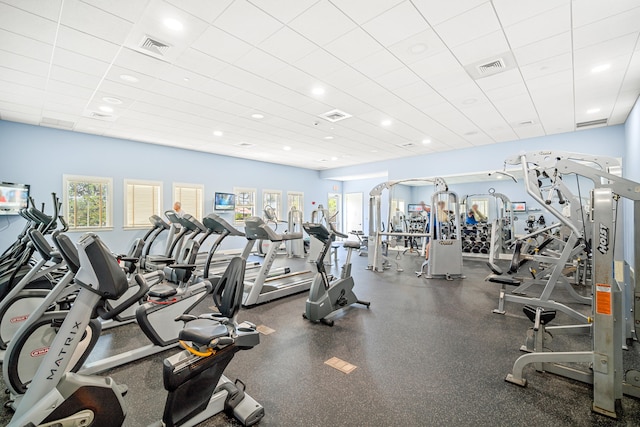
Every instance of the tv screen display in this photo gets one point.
(414, 208)
(519, 206)
(224, 202)
(13, 197)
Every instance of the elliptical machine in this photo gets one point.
(197, 389)
(325, 296)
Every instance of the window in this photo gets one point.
(295, 199)
(190, 198)
(333, 204)
(141, 200)
(273, 199)
(245, 204)
(87, 202)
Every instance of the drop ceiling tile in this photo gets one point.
(283, 10)
(260, 62)
(417, 89)
(548, 24)
(511, 12)
(345, 77)
(606, 29)
(615, 52)
(396, 24)
(203, 9)
(500, 80)
(418, 47)
(436, 11)
(362, 11)
(27, 24)
(25, 46)
(199, 62)
(101, 24)
(20, 77)
(221, 45)
(587, 12)
(247, 22)
(293, 77)
(469, 25)
(517, 110)
(30, 119)
(220, 89)
(125, 9)
(143, 64)
(6, 106)
(547, 66)
(313, 23)
(353, 46)
(288, 45)
(543, 49)
(378, 64)
(49, 9)
(486, 47)
(85, 44)
(24, 64)
(562, 80)
(21, 93)
(75, 61)
(319, 63)
(454, 77)
(398, 78)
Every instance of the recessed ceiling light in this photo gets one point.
(418, 48)
(593, 110)
(186, 79)
(328, 137)
(334, 158)
(600, 68)
(105, 108)
(129, 78)
(318, 90)
(217, 133)
(286, 148)
(498, 176)
(173, 24)
(386, 122)
(111, 100)
(374, 151)
(257, 116)
(426, 141)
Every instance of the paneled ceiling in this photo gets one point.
(251, 79)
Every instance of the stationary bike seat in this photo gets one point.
(351, 244)
(203, 331)
(162, 291)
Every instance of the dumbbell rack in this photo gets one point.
(476, 238)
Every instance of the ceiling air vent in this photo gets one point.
(245, 145)
(153, 46)
(407, 145)
(491, 67)
(591, 123)
(335, 116)
(62, 124)
(106, 117)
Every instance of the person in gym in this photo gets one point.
(443, 216)
(177, 208)
(471, 218)
(479, 216)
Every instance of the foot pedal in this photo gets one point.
(122, 389)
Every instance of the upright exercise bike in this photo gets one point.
(326, 296)
(193, 378)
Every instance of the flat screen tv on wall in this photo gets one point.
(13, 197)
(224, 202)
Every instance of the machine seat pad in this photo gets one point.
(203, 331)
(503, 280)
(162, 291)
(351, 244)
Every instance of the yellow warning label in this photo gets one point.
(603, 299)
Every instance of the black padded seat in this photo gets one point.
(504, 280)
(351, 244)
(203, 331)
(162, 291)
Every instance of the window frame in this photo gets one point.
(125, 204)
(199, 212)
(295, 193)
(67, 179)
(236, 192)
(277, 208)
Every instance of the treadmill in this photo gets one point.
(264, 288)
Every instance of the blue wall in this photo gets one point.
(40, 156)
(631, 170)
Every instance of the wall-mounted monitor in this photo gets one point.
(414, 208)
(224, 202)
(519, 206)
(13, 197)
